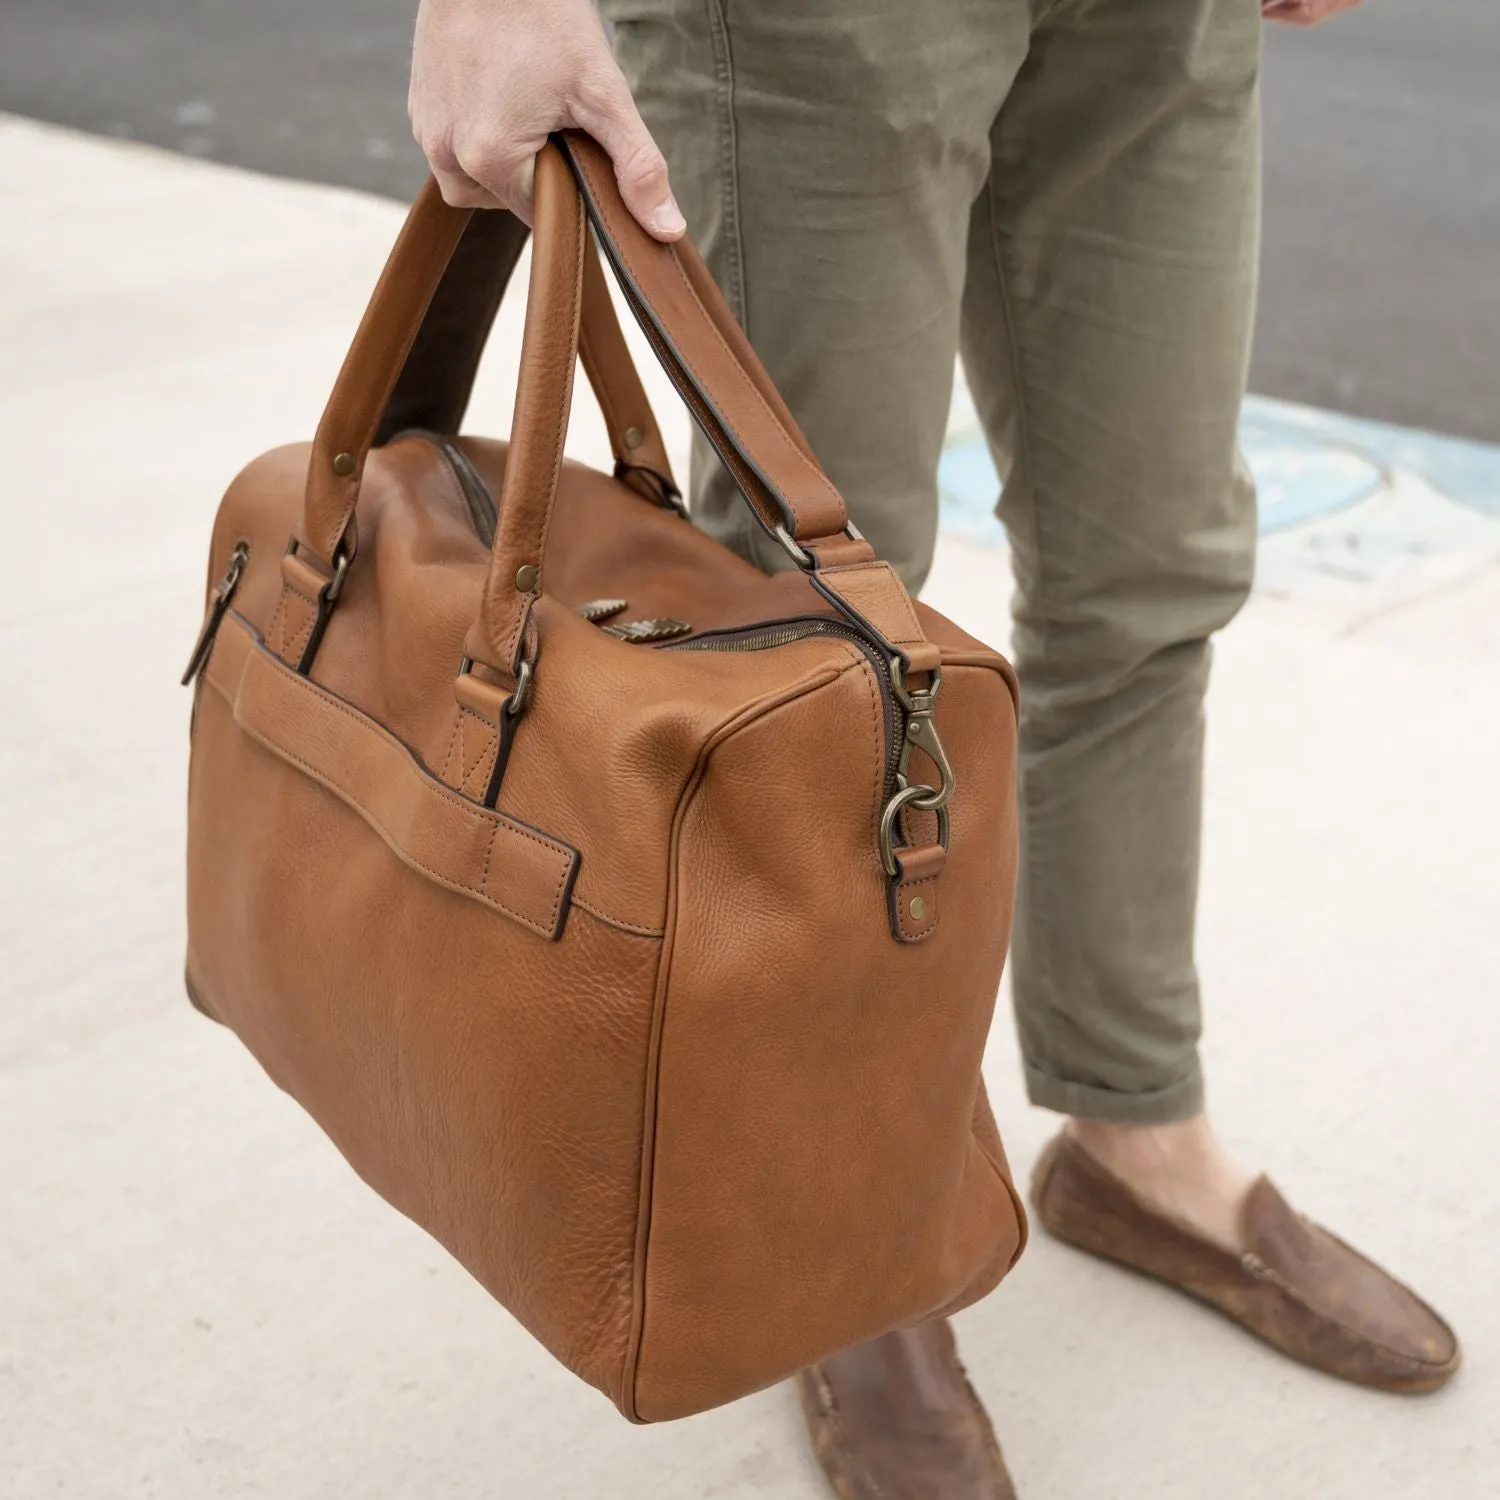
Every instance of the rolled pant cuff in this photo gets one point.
(1177, 1101)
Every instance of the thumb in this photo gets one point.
(640, 169)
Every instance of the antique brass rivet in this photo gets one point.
(343, 464)
(918, 908)
(634, 437)
(526, 576)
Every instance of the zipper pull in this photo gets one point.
(642, 632)
(217, 608)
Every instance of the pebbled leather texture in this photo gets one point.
(637, 1043)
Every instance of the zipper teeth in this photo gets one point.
(484, 514)
(762, 641)
(769, 637)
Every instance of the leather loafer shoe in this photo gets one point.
(1295, 1285)
(896, 1419)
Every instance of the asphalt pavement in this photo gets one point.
(1381, 293)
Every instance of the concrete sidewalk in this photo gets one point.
(198, 1299)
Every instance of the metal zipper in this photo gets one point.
(784, 633)
(218, 607)
(483, 510)
(484, 513)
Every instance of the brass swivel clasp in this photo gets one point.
(921, 732)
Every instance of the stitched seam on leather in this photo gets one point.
(433, 788)
(293, 645)
(273, 640)
(323, 779)
(633, 928)
(878, 721)
(754, 489)
(630, 1372)
(485, 727)
(486, 761)
(361, 417)
(901, 596)
(562, 432)
(298, 643)
(816, 474)
(436, 788)
(744, 380)
(557, 895)
(353, 482)
(447, 770)
(483, 769)
(602, 393)
(906, 888)
(987, 662)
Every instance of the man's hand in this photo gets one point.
(1303, 12)
(491, 78)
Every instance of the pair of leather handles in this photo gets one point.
(694, 334)
(437, 381)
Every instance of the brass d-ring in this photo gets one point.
(908, 796)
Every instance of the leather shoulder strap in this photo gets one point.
(710, 360)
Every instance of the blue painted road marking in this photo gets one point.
(1308, 465)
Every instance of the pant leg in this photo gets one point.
(826, 154)
(1106, 330)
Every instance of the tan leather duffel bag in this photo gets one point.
(630, 919)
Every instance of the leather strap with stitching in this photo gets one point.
(481, 854)
(709, 359)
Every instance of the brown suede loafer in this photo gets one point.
(1296, 1286)
(896, 1419)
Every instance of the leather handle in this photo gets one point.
(708, 358)
(413, 358)
(367, 378)
(635, 438)
(703, 351)
(670, 290)
(539, 428)
(437, 379)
